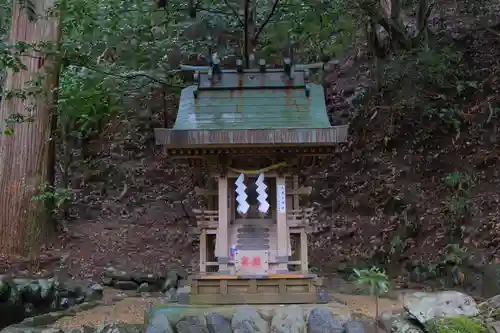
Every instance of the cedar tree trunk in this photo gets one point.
(25, 153)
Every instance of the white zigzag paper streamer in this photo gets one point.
(241, 198)
(262, 198)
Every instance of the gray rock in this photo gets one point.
(29, 290)
(191, 324)
(151, 279)
(183, 295)
(321, 320)
(491, 303)
(31, 301)
(354, 327)
(20, 329)
(495, 326)
(175, 273)
(107, 281)
(93, 292)
(426, 306)
(46, 287)
(369, 324)
(72, 288)
(490, 309)
(397, 323)
(84, 329)
(323, 297)
(288, 319)
(43, 319)
(171, 296)
(119, 328)
(144, 288)
(52, 330)
(125, 285)
(172, 282)
(111, 272)
(4, 288)
(29, 309)
(159, 323)
(343, 317)
(217, 324)
(248, 320)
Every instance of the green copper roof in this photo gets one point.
(251, 109)
(270, 103)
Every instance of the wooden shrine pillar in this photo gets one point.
(281, 228)
(304, 262)
(222, 228)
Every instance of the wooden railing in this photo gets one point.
(206, 219)
(297, 218)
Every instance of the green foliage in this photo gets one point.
(374, 278)
(314, 269)
(459, 324)
(53, 198)
(460, 182)
(397, 245)
(454, 254)
(87, 101)
(448, 268)
(449, 115)
(431, 81)
(115, 48)
(458, 204)
(436, 68)
(311, 27)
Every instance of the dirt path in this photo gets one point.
(132, 310)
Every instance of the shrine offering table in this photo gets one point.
(266, 289)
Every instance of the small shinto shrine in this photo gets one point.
(252, 131)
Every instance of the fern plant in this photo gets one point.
(376, 279)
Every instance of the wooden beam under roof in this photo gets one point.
(261, 137)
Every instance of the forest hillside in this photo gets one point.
(415, 190)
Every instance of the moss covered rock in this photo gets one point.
(459, 324)
(22, 298)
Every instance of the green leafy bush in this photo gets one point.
(460, 324)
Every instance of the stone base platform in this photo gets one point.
(269, 289)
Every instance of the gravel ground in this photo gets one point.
(132, 310)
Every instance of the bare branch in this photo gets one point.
(266, 21)
(235, 13)
(245, 35)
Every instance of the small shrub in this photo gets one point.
(460, 324)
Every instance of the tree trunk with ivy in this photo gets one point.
(26, 123)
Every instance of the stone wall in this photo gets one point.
(122, 280)
(23, 298)
(423, 313)
(246, 319)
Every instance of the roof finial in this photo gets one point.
(239, 66)
(262, 65)
(216, 65)
(288, 66)
(251, 60)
